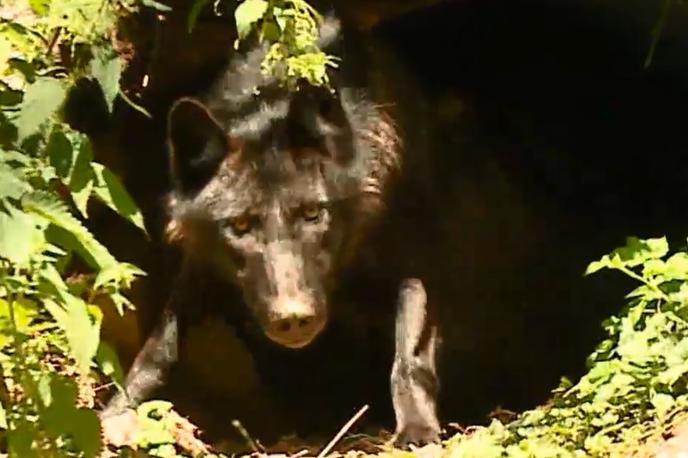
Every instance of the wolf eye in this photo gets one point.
(311, 212)
(240, 224)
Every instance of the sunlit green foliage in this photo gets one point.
(291, 27)
(50, 348)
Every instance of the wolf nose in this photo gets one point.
(295, 329)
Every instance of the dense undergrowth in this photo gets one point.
(53, 270)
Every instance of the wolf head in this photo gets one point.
(276, 194)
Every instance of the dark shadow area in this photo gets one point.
(554, 144)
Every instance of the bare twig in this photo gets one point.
(53, 40)
(342, 431)
(657, 32)
(247, 437)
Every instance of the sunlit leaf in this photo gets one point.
(41, 100)
(12, 183)
(24, 312)
(22, 236)
(662, 403)
(107, 70)
(81, 198)
(248, 13)
(81, 172)
(40, 7)
(107, 360)
(54, 211)
(81, 327)
(109, 189)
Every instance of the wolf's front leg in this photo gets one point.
(414, 377)
(150, 367)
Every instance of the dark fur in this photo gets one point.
(282, 194)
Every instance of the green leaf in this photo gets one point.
(281, 17)
(3, 417)
(248, 13)
(51, 283)
(671, 375)
(40, 7)
(60, 153)
(54, 210)
(41, 100)
(107, 70)
(107, 360)
(84, 427)
(662, 403)
(110, 190)
(596, 266)
(677, 267)
(122, 274)
(22, 236)
(81, 198)
(12, 183)
(81, 176)
(24, 313)
(45, 393)
(634, 253)
(9, 97)
(194, 12)
(81, 172)
(121, 303)
(63, 419)
(81, 325)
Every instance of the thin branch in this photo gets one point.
(342, 431)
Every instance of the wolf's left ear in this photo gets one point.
(317, 118)
(197, 144)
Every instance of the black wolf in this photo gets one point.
(284, 193)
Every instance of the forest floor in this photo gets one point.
(127, 430)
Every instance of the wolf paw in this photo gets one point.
(417, 435)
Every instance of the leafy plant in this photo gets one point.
(636, 385)
(291, 28)
(50, 348)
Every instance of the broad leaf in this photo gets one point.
(60, 153)
(55, 211)
(107, 360)
(12, 183)
(81, 198)
(62, 417)
(40, 7)
(110, 190)
(41, 100)
(51, 282)
(81, 172)
(81, 178)
(81, 326)
(248, 13)
(22, 236)
(24, 313)
(107, 70)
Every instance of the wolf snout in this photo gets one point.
(294, 323)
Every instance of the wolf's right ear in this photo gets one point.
(197, 145)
